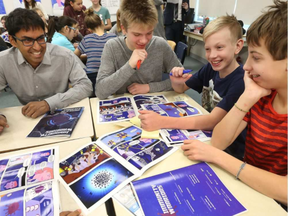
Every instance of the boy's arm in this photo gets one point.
(178, 79)
(232, 124)
(109, 80)
(153, 121)
(267, 183)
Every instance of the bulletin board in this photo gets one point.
(112, 5)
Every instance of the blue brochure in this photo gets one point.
(192, 190)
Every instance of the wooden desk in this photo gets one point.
(14, 137)
(67, 203)
(256, 203)
(101, 129)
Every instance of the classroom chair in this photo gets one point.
(172, 44)
(181, 51)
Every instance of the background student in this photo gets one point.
(92, 45)
(61, 30)
(75, 9)
(30, 4)
(262, 107)
(40, 13)
(118, 72)
(220, 81)
(103, 13)
(116, 29)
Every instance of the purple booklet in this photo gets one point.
(192, 190)
(60, 123)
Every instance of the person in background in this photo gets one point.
(116, 29)
(61, 30)
(135, 63)
(40, 13)
(103, 13)
(30, 4)
(75, 9)
(3, 45)
(220, 82)
(39, 73)
(5, 35)
(174, 13)
(159, 29)
(92, 45)
(262, 108)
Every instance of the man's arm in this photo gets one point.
(267, 183)
(153, 121)
(3, 123)
(81, 86)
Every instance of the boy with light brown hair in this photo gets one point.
(220, 81)
(135, 63)
(262, 107)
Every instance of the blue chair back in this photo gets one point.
(181, 49)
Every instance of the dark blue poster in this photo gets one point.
(2, 7)
(192, 190)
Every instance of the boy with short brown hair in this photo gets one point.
(262, 107)
(119, 72)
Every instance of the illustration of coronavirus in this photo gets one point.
(12, 208)
(102, 179)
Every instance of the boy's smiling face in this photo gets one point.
(137, 35)
(264, 70)
(221, 50)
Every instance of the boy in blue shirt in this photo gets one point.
(220, 81)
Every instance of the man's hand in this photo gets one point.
(150, 120)
(35, 109)
(3, 123)
(137, 88)
(138, 54)
(69, 213)
(178, 77)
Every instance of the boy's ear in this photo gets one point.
(12, 41)
(123, 30)
(71, 3)
(239, 46)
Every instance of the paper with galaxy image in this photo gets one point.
(139, 152)
(115, 110)
(127, 199)
(38, 200)
(98, 185)
(176, 136)
(191, 190)
(173, 109)
(150, 155)
(27, 169)
(81, 162)
(60, 123)
(148, 99)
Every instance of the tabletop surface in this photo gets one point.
(15, 137)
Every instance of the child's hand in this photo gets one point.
(199, 151)
(150, 120)
(138, 54)
(3, 123)
(252, 89)
(177, 76)
(69, 213)
(136, 88)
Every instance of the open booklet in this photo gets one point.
(60, 123)
(176, 136)
(100, 169)
(29, 184)
(191, 190)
